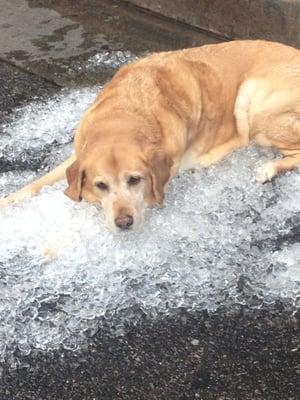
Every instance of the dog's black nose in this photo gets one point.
(124, 221)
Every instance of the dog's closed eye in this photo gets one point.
(101, 185)
(134, 180)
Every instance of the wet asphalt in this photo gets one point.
(233, 354)
(228, 355)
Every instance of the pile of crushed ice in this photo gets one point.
(38, 128)
(221, 239)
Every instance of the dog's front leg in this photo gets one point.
(35, 187)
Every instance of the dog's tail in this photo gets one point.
(34, 188)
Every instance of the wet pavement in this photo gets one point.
(54, 39)
(245, 355)
(234, 353)
(19, 87)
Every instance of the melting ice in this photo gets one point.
(37, 127)
(221, 239)
(110, 58)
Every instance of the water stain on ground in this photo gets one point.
(48, 37)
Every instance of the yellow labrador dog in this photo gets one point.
(179, 110)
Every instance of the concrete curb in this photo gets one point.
(277, 20)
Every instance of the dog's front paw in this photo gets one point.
(266, 172)
(6, 201)
(15, 198)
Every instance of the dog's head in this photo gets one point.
(121, 175)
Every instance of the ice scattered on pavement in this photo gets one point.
(221, 239)
(110, 58)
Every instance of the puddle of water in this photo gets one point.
(221, 239)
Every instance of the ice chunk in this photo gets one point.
(110, 58)
(220, 239)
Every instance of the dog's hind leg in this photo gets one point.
(34, 188)
(283, 132)
(269, 113)
(270, 169)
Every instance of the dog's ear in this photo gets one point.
(75, 177)
(160, 171)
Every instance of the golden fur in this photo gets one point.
(179, 110)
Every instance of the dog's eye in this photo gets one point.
(134, 180)
(102, 185)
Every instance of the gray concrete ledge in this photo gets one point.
(277, 20)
